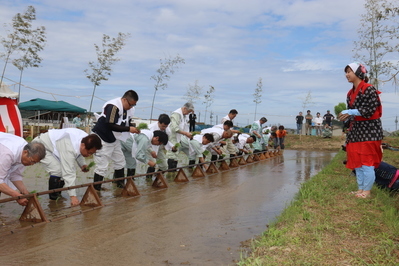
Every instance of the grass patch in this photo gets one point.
(325, 225)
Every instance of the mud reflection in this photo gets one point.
(201, 222)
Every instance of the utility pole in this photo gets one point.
(396, 122)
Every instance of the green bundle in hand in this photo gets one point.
(142, 126)
(205, 153)
(91, 164)
(177, 145)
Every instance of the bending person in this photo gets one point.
(65, 147)
(112, 125)
(15, 154)
(196, 147)
(141, 146)
(178, 127)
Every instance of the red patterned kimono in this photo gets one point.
(365, 132)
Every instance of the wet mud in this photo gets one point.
(201, 222)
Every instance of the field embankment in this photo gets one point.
(326, 225)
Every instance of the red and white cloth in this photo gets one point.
(10, 117)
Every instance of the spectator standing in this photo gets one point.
(318, 122)
(363, 140)
(328, 118)
(192, 117)
(308, 123)
(77, 120)
(299, 122)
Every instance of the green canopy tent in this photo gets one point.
(46, 105)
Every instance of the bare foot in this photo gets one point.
(357, 192)
(364, 194)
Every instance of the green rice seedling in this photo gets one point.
(91, 164)
(142, 126)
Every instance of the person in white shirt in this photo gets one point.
(318, 122)
(219, 135)
(160, 151)
(112, 126)
(15, 154)
(241, 141)
(65, 147)
(229, 147)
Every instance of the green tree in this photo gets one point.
(193, 92)
(32, 42)
(258, 95)
(208, 99)
(25, 40)
(378, 39)
(167, 68)
(106, 57)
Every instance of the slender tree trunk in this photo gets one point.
(152, 106)
(92, 96)
(206, 108)
(4, 69)
(19, 85)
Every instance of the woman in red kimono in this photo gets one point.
(363, 143)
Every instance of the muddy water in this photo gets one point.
(202, 222)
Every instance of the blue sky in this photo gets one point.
(294, 46)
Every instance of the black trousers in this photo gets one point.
(192, 127)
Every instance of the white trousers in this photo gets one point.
(109, 152)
